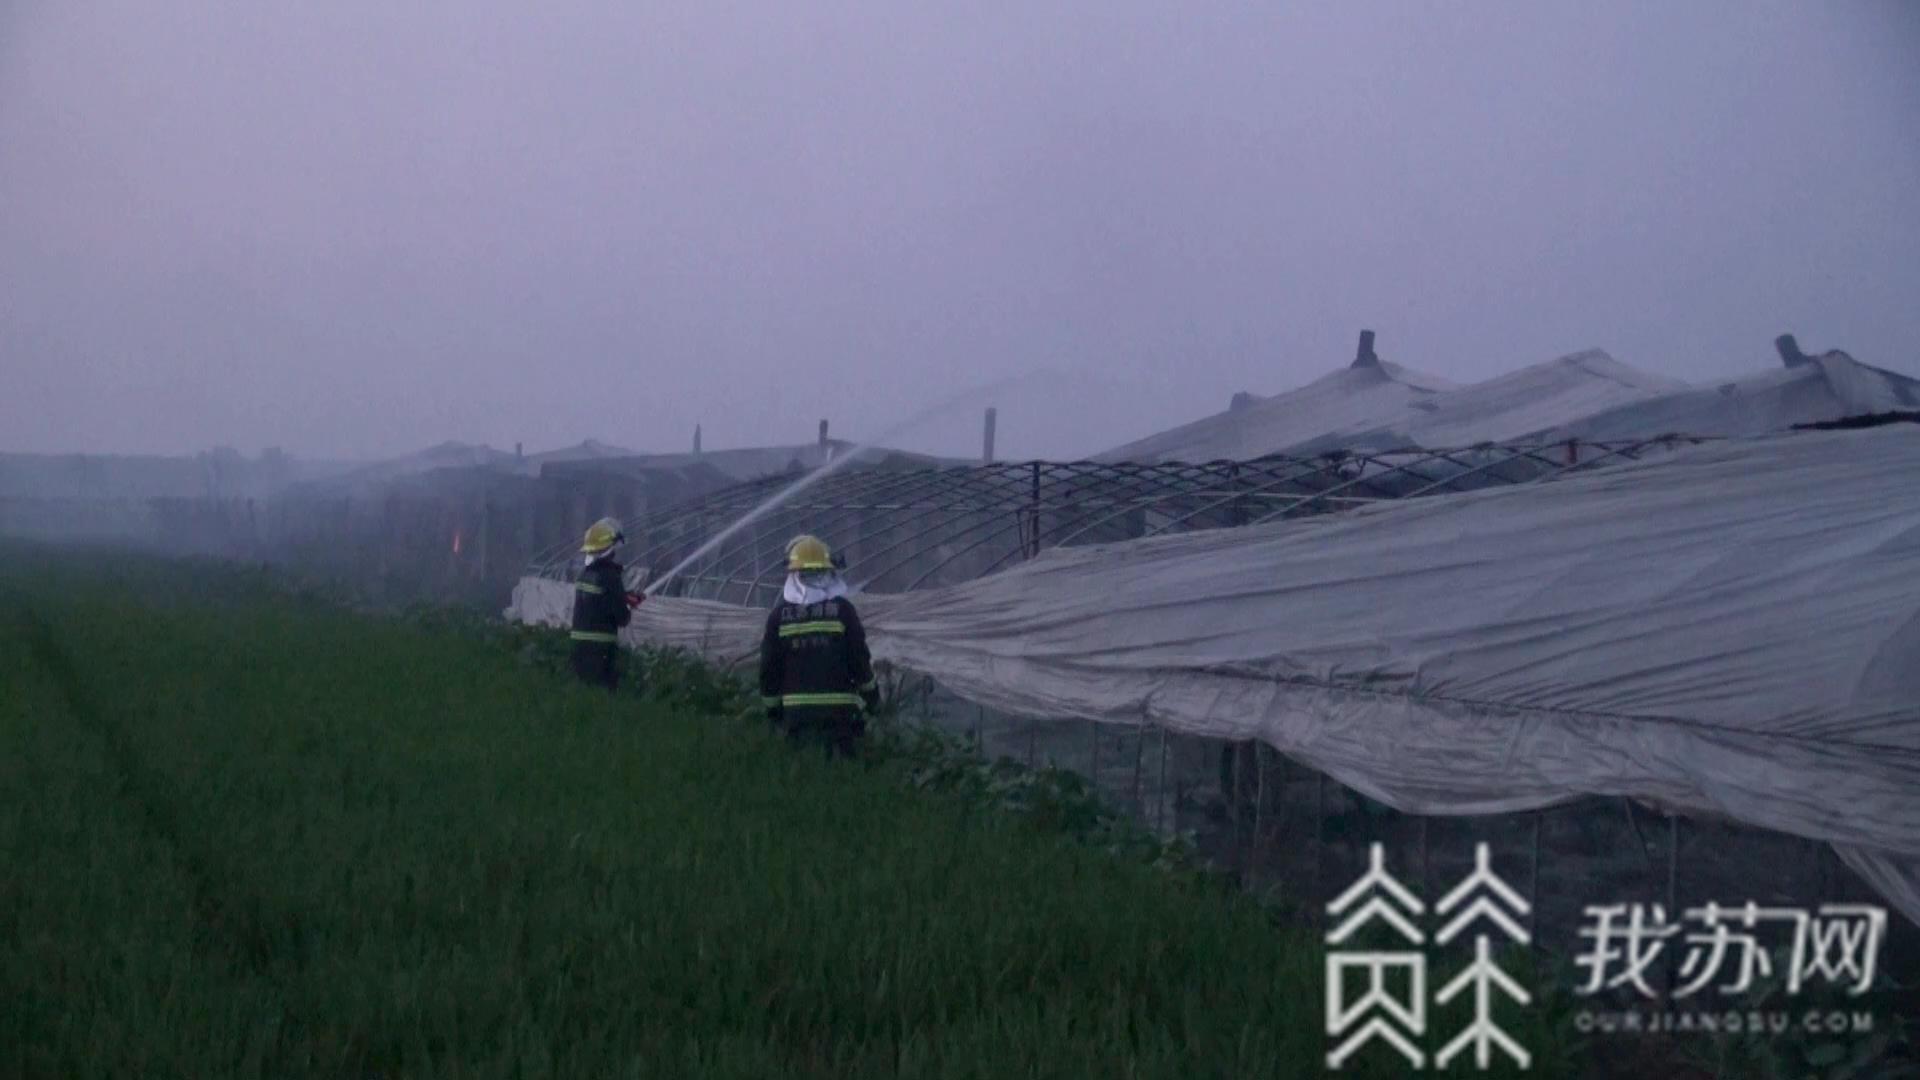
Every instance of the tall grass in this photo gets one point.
(248, 833)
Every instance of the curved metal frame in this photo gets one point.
(899, 510)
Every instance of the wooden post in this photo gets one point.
(1033, 513)
(1533, 881)
(1673, 892)
(1259, 817)
(1160, 799)
(1280, 810)
(1673, 866)
(1093, 754)
(1320, 847)
(1426, 860)
(1139, 747)
(1235, 805)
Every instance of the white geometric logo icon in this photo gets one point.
(1377, 897)
(1376, 1012)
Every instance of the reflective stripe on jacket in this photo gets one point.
(600, 603)
(815, 656)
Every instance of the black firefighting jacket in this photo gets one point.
(600, 603)
(815, 656)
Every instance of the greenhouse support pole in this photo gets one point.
(1259, 816)
(1320, 847)
(1160, 802)
(1139, 748)
(1673, 890)
(1533, 882)
(1093, 755)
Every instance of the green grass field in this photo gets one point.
(249, 833)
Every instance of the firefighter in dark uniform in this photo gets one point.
(816, 677)
(601, 606)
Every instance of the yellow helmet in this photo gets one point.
(601, 536)
(808, 553)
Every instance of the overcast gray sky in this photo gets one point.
(358, 227)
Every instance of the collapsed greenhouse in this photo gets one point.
(1723, 629)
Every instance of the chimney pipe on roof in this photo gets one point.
(1364, 356)
(696, 438)
(823, 433)
(986, 446)
(1789, 351)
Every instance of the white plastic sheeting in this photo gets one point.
(1363, 397)
(1733, 630)
(1826, 387)
(1384, 406)
(1511, 406)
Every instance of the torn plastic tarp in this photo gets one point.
(1731, 630)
